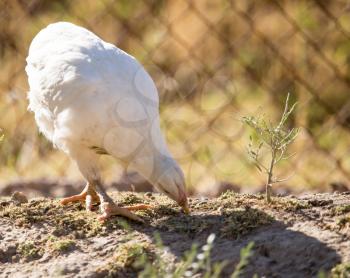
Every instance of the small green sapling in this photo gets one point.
(276, 138)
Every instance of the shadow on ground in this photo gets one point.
(289, 240)
(279, 251)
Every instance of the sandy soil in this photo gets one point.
(294, 237)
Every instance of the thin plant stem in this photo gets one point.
(273, 138)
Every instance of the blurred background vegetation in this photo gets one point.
(213, 62)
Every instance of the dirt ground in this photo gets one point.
(294, 237)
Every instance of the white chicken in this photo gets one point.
(91, 98)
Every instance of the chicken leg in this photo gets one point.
(94, 193)
(88, 195)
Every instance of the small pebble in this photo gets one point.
(15, 258)
(19, 198)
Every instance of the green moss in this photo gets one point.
(63, 245)
(240, 222)
(130, 199)
(288, 204)
(230, 215)
(206, 205)
(128, 259)
(166, 210)
(33, 212)
(80, 222)
(207, 215)
(29, 250)
(343, 222)
(227, 195)
(128, 253)
(341, 271)
(189, 225)
(63, 219)
(339, 210)
(231, 199)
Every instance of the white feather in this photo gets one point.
(87, 93)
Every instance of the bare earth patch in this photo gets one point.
(294, 237)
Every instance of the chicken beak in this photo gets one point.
(186, 209)
(183, 202)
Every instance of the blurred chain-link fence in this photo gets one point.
(213, 62)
